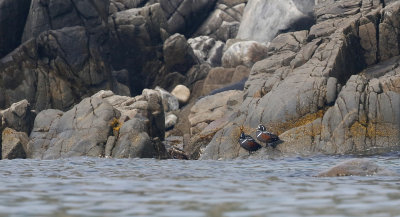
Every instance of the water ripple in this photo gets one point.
(148, 187)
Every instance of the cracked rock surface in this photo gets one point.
(104, 123)
(318, 92)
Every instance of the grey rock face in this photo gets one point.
(53, 70)
(122, 5)
(389, 32)
(136, 36)
(12, 20)
(221, 77)
(244, 53)
(207, 49)
(263, 19)
(170, 102)
(133, 141)
(366, 115)
(57, 14)
(183, 16)
(292, 90)
(223, 23)
(178, 54)
(81, 131)
(211, 108)
(18, 117)
(14, 144)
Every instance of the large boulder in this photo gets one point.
(221, 77)
(357, 167)
(244, 53)
(182, 93)
(81, 131)
(12, 21)
(178, 54)
(104, 124)
(14, 144)
(211, 108)
(18, 117)
(207, 49)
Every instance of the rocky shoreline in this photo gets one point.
(177, 79)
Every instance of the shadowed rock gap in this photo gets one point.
(13, 17)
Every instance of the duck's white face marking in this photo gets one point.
(261, 127)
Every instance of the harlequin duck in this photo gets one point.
(264, 136)
(248, 143)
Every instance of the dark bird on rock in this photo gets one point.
(264, 136)
(248, 143)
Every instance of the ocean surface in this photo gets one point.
(149, 187)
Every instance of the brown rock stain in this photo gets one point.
(280, 128)
(116, 126)
(372, 130)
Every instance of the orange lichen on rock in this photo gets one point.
(372, 130)
(279, 128)
(116, 126)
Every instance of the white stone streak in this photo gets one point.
(262, 19)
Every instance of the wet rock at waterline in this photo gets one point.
(13, 144)
(357, 167)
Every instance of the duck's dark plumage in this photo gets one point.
(267, 137)
(247, 142)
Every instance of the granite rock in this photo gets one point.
(136, 125)
(315, 92)
(18, 117)
(182, 93)
(244, 53)
(14, 144)
(357, 167)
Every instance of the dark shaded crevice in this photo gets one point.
(350, 62)
(141, 4)
(13, 17)
(302, 23)
(197, 18)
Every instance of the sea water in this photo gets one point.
(150, 187)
